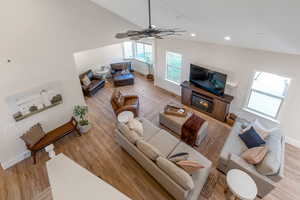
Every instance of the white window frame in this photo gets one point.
(247, 108)
(166, 72)
(135, 52)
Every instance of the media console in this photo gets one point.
(204, 101)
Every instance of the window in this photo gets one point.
(128, 50)
(174, 63)
(267, 94)
(137, 50)
(143, 52)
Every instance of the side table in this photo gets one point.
(241, 185)
(125, 116)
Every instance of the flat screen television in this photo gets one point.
(209, 80)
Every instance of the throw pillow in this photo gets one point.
(179, 157)
(260, 129)
(132, 136)
(86, 81)
(255, 155)
(136, 126)
(251, 138)
(33, 135)
(189, 166)
(176, 173)
(118, 98)
(149, 150)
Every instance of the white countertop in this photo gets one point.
(70, 181)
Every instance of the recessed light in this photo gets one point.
(227, 38)
(193, 34)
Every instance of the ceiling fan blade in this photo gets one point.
(137, 37)
(121, 35)
(150, 32)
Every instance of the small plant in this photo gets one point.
(81, 112)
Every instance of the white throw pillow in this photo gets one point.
(132, 136)
(180, 176)
(149, 150)
(260, 129)
(136, 126)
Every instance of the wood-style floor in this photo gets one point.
(98, 152)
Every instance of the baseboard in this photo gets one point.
(293, 142)
(15, 160)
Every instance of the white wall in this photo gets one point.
(95, 58)
(140, 67)
(104, 56)
(40, 38)
(239, 64)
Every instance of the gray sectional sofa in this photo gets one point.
(167, 145)
(234, 147)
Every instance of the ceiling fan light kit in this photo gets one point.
(150, 32)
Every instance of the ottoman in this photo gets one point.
(175, 123)
(123, 79)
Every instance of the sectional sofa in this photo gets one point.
(167, 145)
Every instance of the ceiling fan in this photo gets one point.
(150, 32)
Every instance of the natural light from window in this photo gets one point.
(143, 52)
(267, 94)
(174, 65)
(128, 50)
(137, 50)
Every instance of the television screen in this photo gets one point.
(206, 79)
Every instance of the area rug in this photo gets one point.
(210, 184)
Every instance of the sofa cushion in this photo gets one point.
(136, 126)
(272, 162)
(149, 129)
(131, 101)
(132, 136)
(164, 142)
(176, 173)
(193, 154)
(149, 150)
(233, 144)
(251, 138)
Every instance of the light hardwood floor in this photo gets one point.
(98, 152)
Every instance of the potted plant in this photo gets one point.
(80, 113)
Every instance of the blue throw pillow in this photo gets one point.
(251, 138)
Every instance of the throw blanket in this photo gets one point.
(190, 129)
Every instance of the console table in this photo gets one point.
(204, 101)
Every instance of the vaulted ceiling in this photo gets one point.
(259, 24)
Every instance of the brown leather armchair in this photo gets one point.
(96, 83)
(128, 103)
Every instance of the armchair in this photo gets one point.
(96, 83)
(122, 103)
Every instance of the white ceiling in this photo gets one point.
(259, 24)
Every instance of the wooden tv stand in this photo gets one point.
(204, 101)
